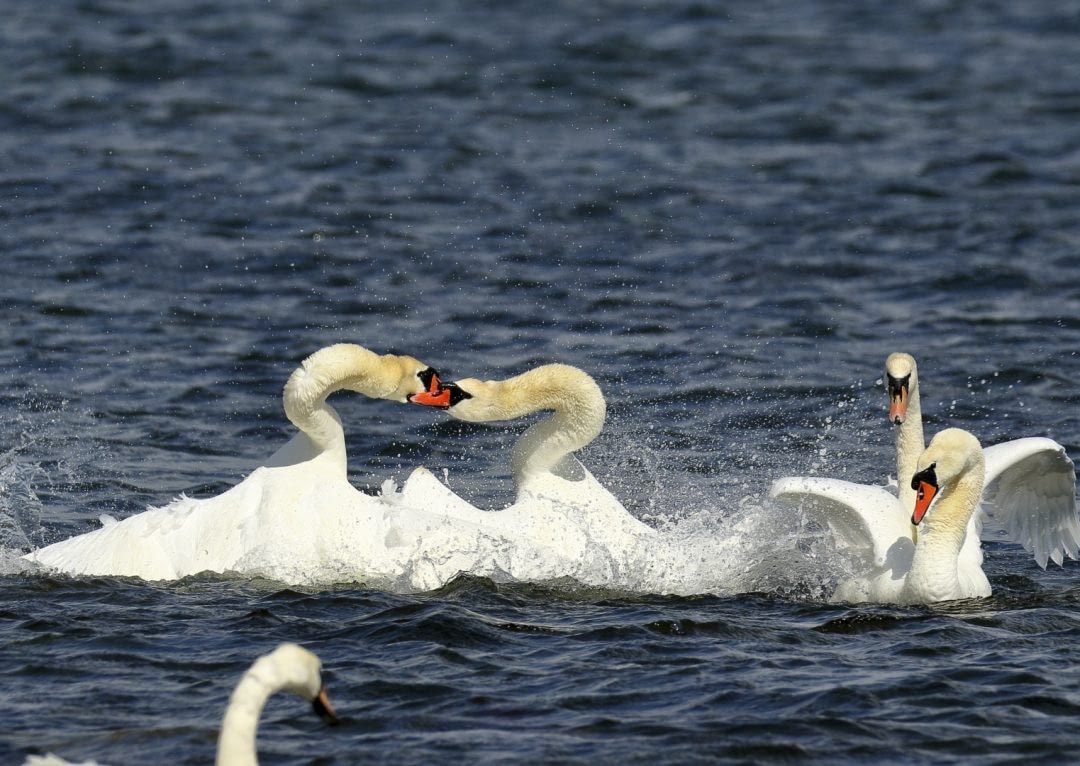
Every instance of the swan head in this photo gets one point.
(413, 378)
(447, 396)
(294, 669)
(950, 456)
(901, 381)
(558, 387)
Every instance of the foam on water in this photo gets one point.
(418, 542)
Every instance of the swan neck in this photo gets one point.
(578, 416)
(934, 568)
(328, 370)
(909, 445)
(236, 743)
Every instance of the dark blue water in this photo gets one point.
(729, 214)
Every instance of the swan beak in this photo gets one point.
(926, 495)
(898, 401)
(443, 396)
(323, 708)
(435, 396)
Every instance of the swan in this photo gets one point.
(290, 668)
(943, 564)
(561, 516)
(948, 482)
(1029, 493)
(285, 519)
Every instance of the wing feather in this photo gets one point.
(1030, 496)
(863, 516)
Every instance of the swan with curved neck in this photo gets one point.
(1029, 494)
(344, 366)
(289, 668)
(574, 397)
(293, 517)
(563, 522)
(947, 483)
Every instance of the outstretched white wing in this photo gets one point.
(1030, 495)
(866, 518)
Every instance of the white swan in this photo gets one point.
(949, 481)
(1029, 493)
(562, 516)
(288, 668)
(289, 517)
(945, 564)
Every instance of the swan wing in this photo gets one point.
(1030, 495)
(424, 491)
(863, 516)
(574, 487)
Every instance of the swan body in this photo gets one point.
(943, 564)
(949, 479)
(288, 668)
(275, 523)
(1028, 497)
(562, 516)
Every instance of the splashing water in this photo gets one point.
(41, 458)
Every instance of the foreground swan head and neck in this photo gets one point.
(350, 367)
(578, 417)
(948, 483)
(289, 668)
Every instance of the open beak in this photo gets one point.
(437, 395)
(323, 708)
(926, 494)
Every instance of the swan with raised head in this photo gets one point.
(941, 566)
(289, 668)
(562, 519)
(948, 482)
(295, 518)
(1029, 493)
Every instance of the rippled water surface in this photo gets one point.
(727, 213)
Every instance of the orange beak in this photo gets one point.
(926, 495)
(898, 399)
(323, 708)
(435, 396)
